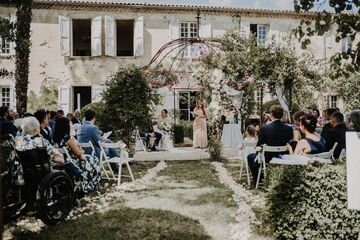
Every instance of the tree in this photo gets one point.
(22, 40)
(345, 17)
(128, 99)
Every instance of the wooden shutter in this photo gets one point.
(96, 36)
(174, 29)
(273, 33)
(139, 37)
(205, 28)
(110, 36)
(64, 23)
(96, 93)
(12, 97)
(64, 98)
(245, 28)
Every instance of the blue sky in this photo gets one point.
(264, 4)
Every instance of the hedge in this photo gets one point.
(310, 203)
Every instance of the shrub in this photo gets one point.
(188, 128)
(310, 203)
(128, 100)
(178, 134)
(101, 120)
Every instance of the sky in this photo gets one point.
(262, 4)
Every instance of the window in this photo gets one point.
(346, 44)
(333, 101)
(259, 31)
(124, 37)
(186, 105)
(4, 46)
(190, 30)
(81, 37)
(5, 96)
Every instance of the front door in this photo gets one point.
(81, 97)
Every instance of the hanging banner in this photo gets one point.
(353, 169)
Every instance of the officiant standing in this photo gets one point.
(199, 126)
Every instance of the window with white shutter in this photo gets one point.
(64, 98)
(125, 39)
(205, 28)
(96, 93)
(81, 37)
(139, 37)
(96, 36)
(64, 24)
(174, 29)
(245, 28)
(110, 36)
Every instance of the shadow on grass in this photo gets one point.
(123, 223)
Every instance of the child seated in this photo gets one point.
(250, 138)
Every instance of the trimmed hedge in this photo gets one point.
(310, 203)
(178, 134)
(188, 128)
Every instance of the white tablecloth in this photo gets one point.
(231, 136)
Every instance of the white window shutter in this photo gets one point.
(64, 23)
(96, 93)
(12, 97)
(110, 36)
(245, 28)
(96, 36)
(174, 29)
(205, 28)
(12, 44)
(273, 33)
(64, 98)
(139, 37)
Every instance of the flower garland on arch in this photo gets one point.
(160, 77)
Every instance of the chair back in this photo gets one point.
(118, 145)
(342, 154)
(324, 155)
(274, 149)
(88, 145)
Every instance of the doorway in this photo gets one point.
(82, 94)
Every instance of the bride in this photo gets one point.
(164, 125)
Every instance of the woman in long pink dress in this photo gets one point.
(199, 127)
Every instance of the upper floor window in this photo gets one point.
(81, 37)
(86, 37)
(346, 44)
(4, 46)
(259, 31)
(188, 30)
(124, 37)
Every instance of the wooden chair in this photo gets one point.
(124, 159)
(261, 158)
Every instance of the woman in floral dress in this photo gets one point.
(88, 166)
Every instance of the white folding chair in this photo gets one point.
(324, 155)
(124, 159)
(243, 160)
(261, 158)
(139, 144)
(88, 145)
(342, 155)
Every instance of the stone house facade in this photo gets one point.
(78, 44)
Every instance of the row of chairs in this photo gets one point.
(260, 158)
(105, 161)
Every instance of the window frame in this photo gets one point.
(333, 101)
(190, 52)
(6, 97)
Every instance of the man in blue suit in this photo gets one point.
(274, 134)
(90, 132)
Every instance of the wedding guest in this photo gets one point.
(199, 126)
(296, 126)
(336, 134)
(76, 118)
(59, 113)
(312, 143)
(274, 134)
(327, 125)
(163, 122)
(52, 122)
(355, 120)
(42, 117)
(250, 137)
(88, 166)
(6, 126)
(151, 133)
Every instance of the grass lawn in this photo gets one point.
(123, 223)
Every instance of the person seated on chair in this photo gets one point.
(32, 139)
(6, 126)
(312, 143)
(42, 117)
(163, 122)
(336, 134)
(90, 132)
(148, 133)
(274, 134)
(88, 166)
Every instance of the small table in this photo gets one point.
(231, 135)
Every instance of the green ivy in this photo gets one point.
(310, 203)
